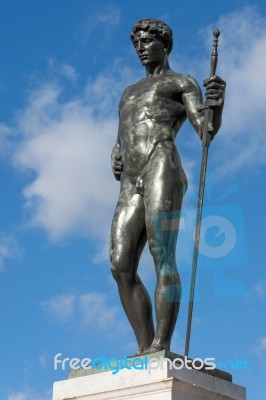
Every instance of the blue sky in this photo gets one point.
(64, 65)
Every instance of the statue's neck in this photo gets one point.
(159, 70)
(154, 70)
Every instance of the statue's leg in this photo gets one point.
(163, 193)
(128, 238)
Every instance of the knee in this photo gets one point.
(115, 273)
(116, 265)
(120, 270)
(122, 277)
(164, 258)
(165, 264)
(169, 279)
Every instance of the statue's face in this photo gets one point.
(149, 49)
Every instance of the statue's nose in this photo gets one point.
(140, 45)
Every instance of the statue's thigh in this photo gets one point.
(163, 194)
(164, 185)
(128, 234)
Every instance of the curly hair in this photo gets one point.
(157, 28)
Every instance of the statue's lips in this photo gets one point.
(143, 56)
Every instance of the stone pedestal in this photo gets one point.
(164, 383)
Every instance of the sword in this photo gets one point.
(207, 131)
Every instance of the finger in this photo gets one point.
(219, 92)
(117, 157)
(213, 91)
(118, 168)
(215, 85)
(213, 96)
(214, 78)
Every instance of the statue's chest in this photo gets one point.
(149, 92)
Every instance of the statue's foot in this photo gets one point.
(139, 353)
(155, 348)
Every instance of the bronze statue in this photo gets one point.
(146, 162)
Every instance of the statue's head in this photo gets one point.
(157, 28)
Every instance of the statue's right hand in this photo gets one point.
(117, 166)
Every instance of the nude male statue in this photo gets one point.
(146, 161)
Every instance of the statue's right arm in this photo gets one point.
(117, 165)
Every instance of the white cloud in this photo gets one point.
(9, 249)
(60, 308)
(89, 310)
(241, 142)
(260, 289)
(43, 361)
(262, 343)
(30, 394)
(242, 63)
(5, 145)
(257, 291)
(260, 350)
(109, 16)
(66, 143)
(96, 312)
(63, 70)
(105, 18)
(18, 396)
(68, 149)
(69, 72)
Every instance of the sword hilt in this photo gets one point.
(210, 103)
(214, 59)
(214, 55)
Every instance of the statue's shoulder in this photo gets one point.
(131, 88)
(182, 82)
(185, 81)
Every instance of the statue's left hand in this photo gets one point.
(215, 89)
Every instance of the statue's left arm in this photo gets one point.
(193, 102)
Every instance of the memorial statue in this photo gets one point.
(146, 162)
